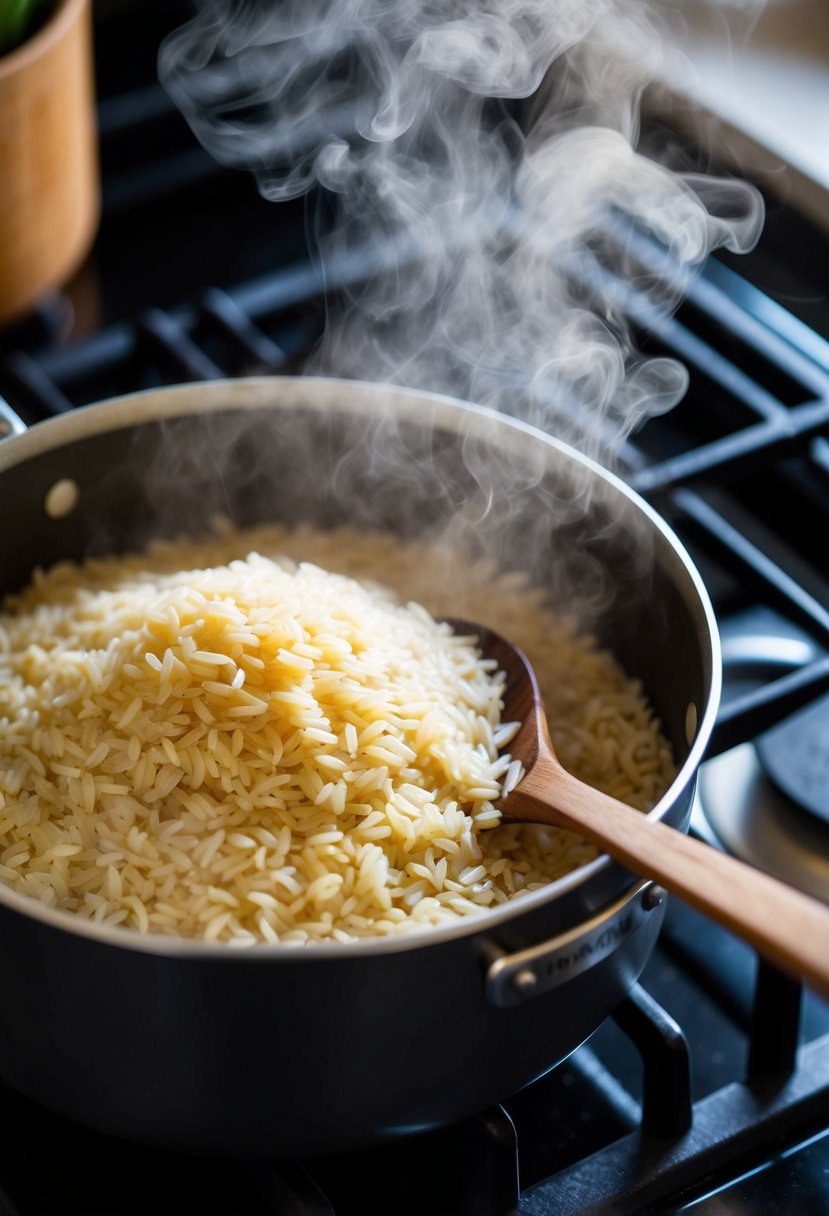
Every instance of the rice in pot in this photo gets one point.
(213, 741)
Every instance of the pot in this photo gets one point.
(197, 1046)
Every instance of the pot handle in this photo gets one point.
(512, 979)
(10, 422)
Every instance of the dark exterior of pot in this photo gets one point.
(286, 1051)
(285, 1057)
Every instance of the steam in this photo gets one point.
(488, 147)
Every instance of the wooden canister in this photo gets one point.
(49, 196)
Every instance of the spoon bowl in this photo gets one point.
(785, 926)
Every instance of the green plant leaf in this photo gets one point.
(16, 19)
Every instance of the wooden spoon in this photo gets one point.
(790, 929)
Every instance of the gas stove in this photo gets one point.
(708, 1090)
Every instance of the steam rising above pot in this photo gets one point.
(490, 150)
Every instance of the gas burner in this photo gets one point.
(767, 802)
(756, 821)
(795, 755)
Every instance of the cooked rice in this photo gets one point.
(216, 743)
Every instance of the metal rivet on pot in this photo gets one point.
(62, 498)
(525, 980)
(690, 722)
(653, 896)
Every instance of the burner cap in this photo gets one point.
(754, 820)
(795, 756)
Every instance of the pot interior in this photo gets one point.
(429, 470)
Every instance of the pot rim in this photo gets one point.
(122, 412)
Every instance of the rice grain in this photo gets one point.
(225, 740)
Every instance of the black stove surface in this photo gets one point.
(695, 1096)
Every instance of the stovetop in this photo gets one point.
(695, 1095)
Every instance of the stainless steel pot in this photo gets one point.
(283, 1051)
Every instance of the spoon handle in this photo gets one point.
(787, 927)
